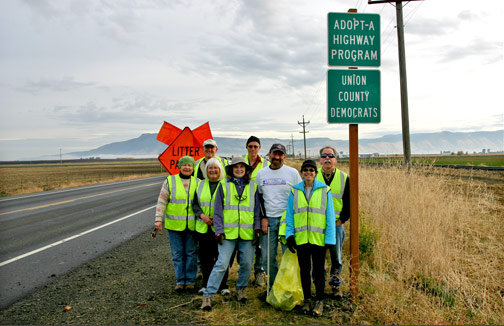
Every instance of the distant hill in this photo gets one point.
(423, 143)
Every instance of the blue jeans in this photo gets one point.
(183, 250)
(335, 252)
(274, 224)
(245, 257)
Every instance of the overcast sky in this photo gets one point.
(79, 74)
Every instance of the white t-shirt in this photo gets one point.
(275, 186)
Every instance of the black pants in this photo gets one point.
(308, 254)
(208, 253)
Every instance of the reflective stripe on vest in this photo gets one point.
(207, 203)
(337, 189)
(310, 218)
(179, 212)
(238, 212)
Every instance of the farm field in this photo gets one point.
(476, 160)
(30, 178)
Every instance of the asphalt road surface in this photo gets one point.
(48, 234)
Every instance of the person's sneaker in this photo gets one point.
(225, 292)
(207, 304)
(318, 309)
(189, 287)
(306, 307)
(201, 291)
(179, 288)
(240, 295)
(259, 278)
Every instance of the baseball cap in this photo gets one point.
(210, 142)
(277, 147)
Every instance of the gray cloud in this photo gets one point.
(64, 84)
(488, 51)
(431, 27)
(138, 110)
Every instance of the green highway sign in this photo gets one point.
(353, 96)
(353, 39)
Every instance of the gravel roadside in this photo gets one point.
(131, 284)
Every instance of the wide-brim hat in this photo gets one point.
(236, 160)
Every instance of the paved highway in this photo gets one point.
(48, 234)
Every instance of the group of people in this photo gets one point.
(217, 212)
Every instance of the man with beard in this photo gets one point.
(340, 190)
(275, 183)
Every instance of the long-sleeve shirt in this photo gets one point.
(164, 198)
(219, 207)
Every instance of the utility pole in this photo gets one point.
(304, 132)
(402, 77)
(292, 142)
(61, 161)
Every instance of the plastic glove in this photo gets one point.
(291, 244)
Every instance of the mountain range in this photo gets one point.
(421, 143)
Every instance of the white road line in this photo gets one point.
(72, 189)
(72, 237)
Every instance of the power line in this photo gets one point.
(304, 132)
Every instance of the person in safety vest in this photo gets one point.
(175, 203)
(203, 207)
(237, 225)
(257, 163)
(209, 149)
(339, 183)
(310, 227)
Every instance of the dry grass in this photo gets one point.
(22, 179)
(437, 259)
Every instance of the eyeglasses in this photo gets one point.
(327, 155)
(308, 170)
(253, 146)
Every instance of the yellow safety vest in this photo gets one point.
(337, 189)
(222, 161)
(238, 212)
(207, 203)
(258, 167)
(179, 212)
(310, 218)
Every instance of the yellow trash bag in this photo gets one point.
(287, 291)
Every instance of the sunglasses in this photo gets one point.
(327, 155)
(253, 146)
(308, 170)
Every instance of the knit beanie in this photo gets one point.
(185, 160)
(253, 138)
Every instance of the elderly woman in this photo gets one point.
(310, 226)
(203, 207)
(237, 223)
(175, 203)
